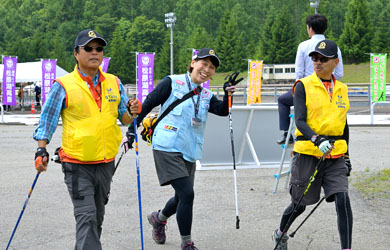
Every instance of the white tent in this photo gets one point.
(31, 72)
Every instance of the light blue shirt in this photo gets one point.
(304, 64)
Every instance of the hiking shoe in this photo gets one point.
(282, 140)
(283, 242)
(188, 246)
(158, 231)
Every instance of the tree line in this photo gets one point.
(265, 30)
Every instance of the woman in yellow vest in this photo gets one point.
(89, 102)
(320, 106)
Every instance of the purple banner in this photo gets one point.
(145, 64)
(9, 80)
(48, 76)
(206, 84)
(105, 63)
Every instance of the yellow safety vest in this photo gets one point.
(90, 134)
(324, 116)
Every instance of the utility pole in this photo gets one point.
(170, 20)
(315, 4)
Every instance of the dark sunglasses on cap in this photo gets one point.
(89, 48)
(322, 59)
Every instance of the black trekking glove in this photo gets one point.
(231, 81)
(128, 139)
(348, 164)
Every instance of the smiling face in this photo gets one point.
(89, 62)
(203, 70)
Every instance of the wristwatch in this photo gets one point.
(313, 139)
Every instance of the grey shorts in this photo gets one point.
(331, 175)
(171, 166)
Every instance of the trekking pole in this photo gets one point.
(312, 178)
(234, 160)
(307, 217)
(138, 183)
(119, 160)
(24, 207)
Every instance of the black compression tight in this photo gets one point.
(286, 216)
(344, 219)
(181, 204)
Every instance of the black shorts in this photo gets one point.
(331, 175)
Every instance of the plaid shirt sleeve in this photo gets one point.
(122, 107)
(50, 113)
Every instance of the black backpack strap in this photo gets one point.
(195, 91)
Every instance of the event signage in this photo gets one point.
(205, 84)
(48, 76)
(378, 77)
(254, 84)
(145, 64)
(105, 63)
(9, 80)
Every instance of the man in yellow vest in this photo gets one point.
(89, 102)
(320, 106)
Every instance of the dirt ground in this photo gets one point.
(48, 221)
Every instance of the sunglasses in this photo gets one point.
(322, 59)
(89, 48)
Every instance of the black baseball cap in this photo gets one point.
(207, 52)
(326, 48)
(85, 36)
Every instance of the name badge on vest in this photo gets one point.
(178, 95)
(196, 122)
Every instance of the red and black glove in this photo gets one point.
(41, 157)
(134, 111)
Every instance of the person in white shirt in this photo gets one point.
(316, 25)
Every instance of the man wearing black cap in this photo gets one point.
(320, 105)
(89, 102)
(316, 26)
(178, 139)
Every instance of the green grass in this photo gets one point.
(356, 73)
(373, 185)
(219, 78)
(360, 73)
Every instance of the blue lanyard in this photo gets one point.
(196, 106)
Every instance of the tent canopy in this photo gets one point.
(31, 72)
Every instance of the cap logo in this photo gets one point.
(211, 52)
(91, 33)
(322, 45)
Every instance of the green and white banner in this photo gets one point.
(378, 77)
